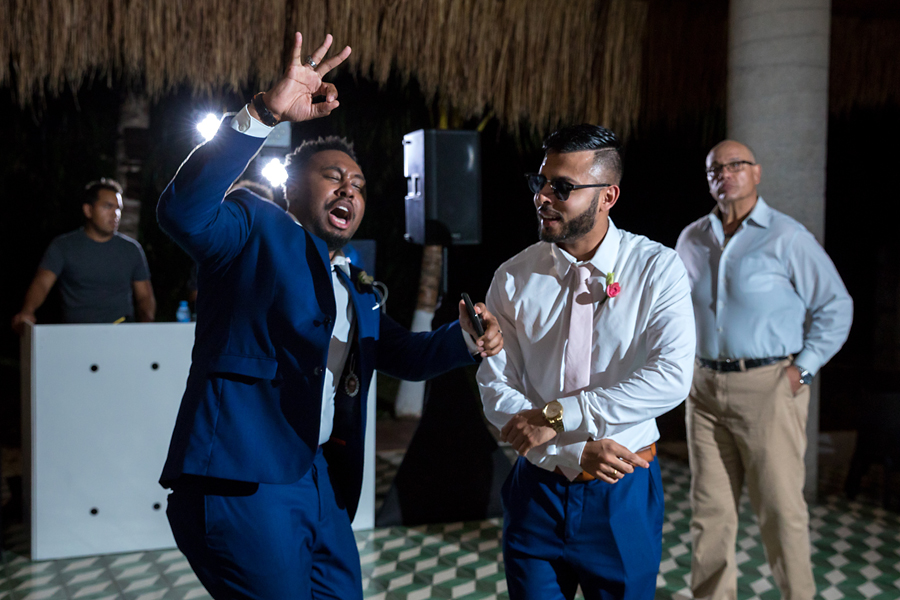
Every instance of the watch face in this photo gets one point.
(552, 410)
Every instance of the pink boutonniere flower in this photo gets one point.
(612, 286)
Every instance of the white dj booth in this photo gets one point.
(98, 407)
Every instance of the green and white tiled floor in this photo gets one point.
(856, 554)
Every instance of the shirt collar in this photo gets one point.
(760, 215)
(604, 259)
(341, 262)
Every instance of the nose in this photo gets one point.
(346, 190)
(541, 198)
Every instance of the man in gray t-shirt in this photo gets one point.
(102, 274)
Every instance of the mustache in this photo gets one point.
(546, 211)
(348, 204)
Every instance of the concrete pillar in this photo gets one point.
(778, 105)
(411, 394)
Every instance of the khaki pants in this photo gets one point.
(748, 427)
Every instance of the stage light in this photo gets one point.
(275, 172)
(208, 126)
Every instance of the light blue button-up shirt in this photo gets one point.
(752, 296)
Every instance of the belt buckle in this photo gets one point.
(738, 362)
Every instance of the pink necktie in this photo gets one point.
(581, 329)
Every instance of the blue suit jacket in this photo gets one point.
(265, 314)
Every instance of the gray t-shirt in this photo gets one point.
(95, 278)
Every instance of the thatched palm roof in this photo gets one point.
(541, 60)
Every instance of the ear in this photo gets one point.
(88, 209)
(608, 198)
(757, 174)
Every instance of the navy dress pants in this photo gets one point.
(267, 541)
(558, 534)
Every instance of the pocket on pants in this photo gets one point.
(797, 404)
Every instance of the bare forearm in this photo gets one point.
(145, 301)
(146, 310)
(38, 290)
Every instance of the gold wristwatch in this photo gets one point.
(553, 413)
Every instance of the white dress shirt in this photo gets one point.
(752, 295)
(338, 347)
(642, 348)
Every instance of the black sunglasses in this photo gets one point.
(560, 187)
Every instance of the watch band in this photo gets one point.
(805, 376)
(265, 115)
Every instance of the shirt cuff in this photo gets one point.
(245, 123)
(808, 361)
(470, 343)
(572, 416)
(569, 455)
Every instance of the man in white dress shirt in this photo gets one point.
(599, 340)
(757, 276)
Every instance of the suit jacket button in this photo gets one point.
(327, 321)
(318, 371)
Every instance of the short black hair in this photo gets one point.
(92, 189)
(578, 138)
(295, 162)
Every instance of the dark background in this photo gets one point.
(51, 150)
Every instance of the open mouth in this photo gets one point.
(340, 216)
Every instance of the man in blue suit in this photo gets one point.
(266, 458)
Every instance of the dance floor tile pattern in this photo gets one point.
(856, 554)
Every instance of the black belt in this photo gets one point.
(730, 365)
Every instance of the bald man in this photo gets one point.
(756, 277)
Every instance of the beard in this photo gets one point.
(334, 241)
(575, 227)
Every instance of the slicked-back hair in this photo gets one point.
(92, 190)
(578, 138)
(296, 161)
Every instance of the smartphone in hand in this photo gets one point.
(476, 319)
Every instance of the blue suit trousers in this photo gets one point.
(558, 534)
(249, 541)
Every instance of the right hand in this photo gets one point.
(526, 430)
(491, 342)
(18, 321)
(291, 97)
(609, 461)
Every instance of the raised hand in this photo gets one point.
(291, 98)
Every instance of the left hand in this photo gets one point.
(527, 430)
(610, 461)
(492, 341)
(793, 375)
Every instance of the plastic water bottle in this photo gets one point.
(183, 314)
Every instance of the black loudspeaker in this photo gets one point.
(443, 186)
(436, 486)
